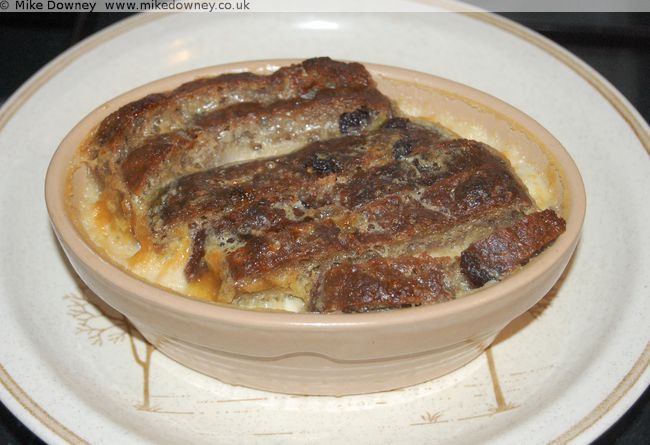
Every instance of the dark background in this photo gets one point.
(616, 44)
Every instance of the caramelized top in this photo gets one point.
(339, 204)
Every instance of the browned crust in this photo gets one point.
(253, 127)
(139, 118)
(311, 74)
(347, 172)
(152, 141)
(408, 213)
(304, 180)
(346, 218)
(385, 283)
(388, 283)
(508, 248)
(196, 264)
(137, 167)
(129, 118)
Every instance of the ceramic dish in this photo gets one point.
(336, 354)
(563, 371)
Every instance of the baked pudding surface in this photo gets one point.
(304, 190)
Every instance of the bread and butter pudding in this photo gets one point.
(303, 190)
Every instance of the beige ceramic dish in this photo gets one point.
(337, 354)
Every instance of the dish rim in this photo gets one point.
(151, 293)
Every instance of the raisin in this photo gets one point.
(355, 121)
(323, 165)
(402, 148)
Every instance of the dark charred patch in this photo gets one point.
(475, 270)
(510, 247)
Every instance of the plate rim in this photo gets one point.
(24, 407)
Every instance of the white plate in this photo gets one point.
(565, 370)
